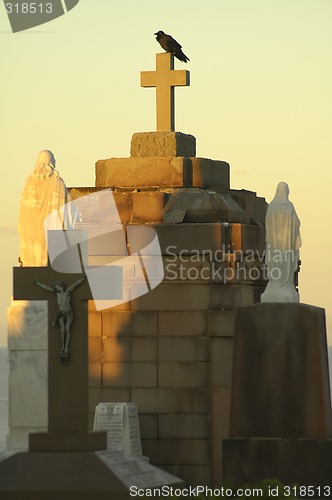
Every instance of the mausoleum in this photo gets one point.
(170, 350)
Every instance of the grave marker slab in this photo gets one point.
(120, 420)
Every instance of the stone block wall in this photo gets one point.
(170, 351)
(150, 205)
(174, 360)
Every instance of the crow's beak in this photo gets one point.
(155, 33)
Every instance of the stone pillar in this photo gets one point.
(280, 373)
(280, 423)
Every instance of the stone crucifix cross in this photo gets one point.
(165, 78)
(65, 316)
(67, 384)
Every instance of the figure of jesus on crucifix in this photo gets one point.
(65, 317)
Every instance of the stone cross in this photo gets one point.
(165, 78)
(67, 384)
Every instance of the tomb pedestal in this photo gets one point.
(280, 373)
(157, 144)
(280, 420)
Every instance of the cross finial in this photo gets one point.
(165, 78)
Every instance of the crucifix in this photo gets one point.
(67, 295)
(165, 78)
(65, 316)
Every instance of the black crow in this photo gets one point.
(170, 45)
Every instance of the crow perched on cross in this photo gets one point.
(170, 45)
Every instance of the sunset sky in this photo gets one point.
(260, 98)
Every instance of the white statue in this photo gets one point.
(43, 193)
(283, 242)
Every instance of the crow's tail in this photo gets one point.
(181, 56)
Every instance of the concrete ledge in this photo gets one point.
(161, 171)
(144, 172)
(306, 462)
(162, 144)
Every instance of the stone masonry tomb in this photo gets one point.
(170, 350)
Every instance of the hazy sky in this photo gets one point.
(260, 98)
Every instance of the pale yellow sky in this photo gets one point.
(260, 98)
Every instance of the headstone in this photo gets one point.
(120, 420)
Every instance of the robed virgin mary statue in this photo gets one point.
(283, 242)
(44, 193)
